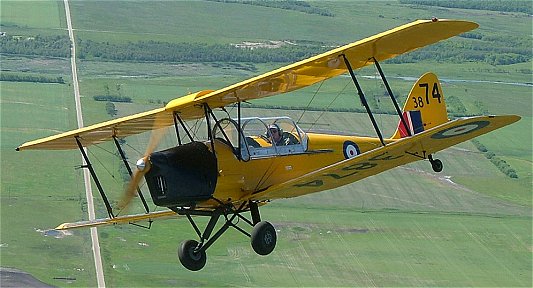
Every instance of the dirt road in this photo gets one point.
(86, 175)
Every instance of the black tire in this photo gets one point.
(263, 238)
(436, 165)
(191, 260)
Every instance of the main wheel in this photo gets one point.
(190, 259)
(263, 238)
(436, 164)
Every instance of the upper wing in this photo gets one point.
(382, 46)
(104, 131)
(395, 154)
(307, 72)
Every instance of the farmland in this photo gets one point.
(467, 226)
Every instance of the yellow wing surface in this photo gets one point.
(307, 72)
(394, 154)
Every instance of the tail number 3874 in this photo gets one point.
(435, 94)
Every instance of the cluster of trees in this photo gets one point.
(110, 109)
(157, 101)
(31, 78)
(493, 50)
(501, 70)
(112, 98)
(295, 5)
(523, 6)
(455, 106)
(501, 164)
(124, 174)
(50, 46)
(156, 51)
(482, 109)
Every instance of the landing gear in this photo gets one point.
(192, 254)
(189, 257)
(263, 238)
(436, 164)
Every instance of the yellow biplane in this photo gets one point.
(247, 162)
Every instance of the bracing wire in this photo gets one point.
(133, 148)
(310, 101)
(106, 150)
(102, 164)
(329, 105)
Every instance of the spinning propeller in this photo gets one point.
(143, 165)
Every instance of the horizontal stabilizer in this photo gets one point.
(128, 219)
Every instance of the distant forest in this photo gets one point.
(494, 49)
(14, 77)
(523, 6)
(503, 50)
(190, 52)
(295, 5)
(51, 46)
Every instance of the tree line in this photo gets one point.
(31, 78)
(501, 164)
(50, 46)
(510, 50)
(156, 51)
(295, 5)
(112, 98)
(491, 5)
(494, 50)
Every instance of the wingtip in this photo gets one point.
(61, 227)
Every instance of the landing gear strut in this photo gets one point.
(436, 164)
(192, 254)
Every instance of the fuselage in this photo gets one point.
(244, 158)
(238, 180)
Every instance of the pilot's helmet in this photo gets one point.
(274, 128)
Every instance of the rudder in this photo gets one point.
(424, 108)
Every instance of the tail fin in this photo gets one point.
(424, 108)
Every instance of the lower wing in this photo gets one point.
(398, 153)
(128, 219)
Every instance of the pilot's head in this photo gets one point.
(275, 131)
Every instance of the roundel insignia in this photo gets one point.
(350, 149)
(460, 130)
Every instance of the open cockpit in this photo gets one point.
(261, 137)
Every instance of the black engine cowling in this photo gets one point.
(182, 176)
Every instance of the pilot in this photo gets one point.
(281, 138)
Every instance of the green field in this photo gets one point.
(470, 225)
(40, 187)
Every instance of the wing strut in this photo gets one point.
(174, 116)
(125, 161)
(389, 90)
(217, 124)
(95, 178)
(209, 131)
(178, 118)
(239, 127)
(363, 98)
